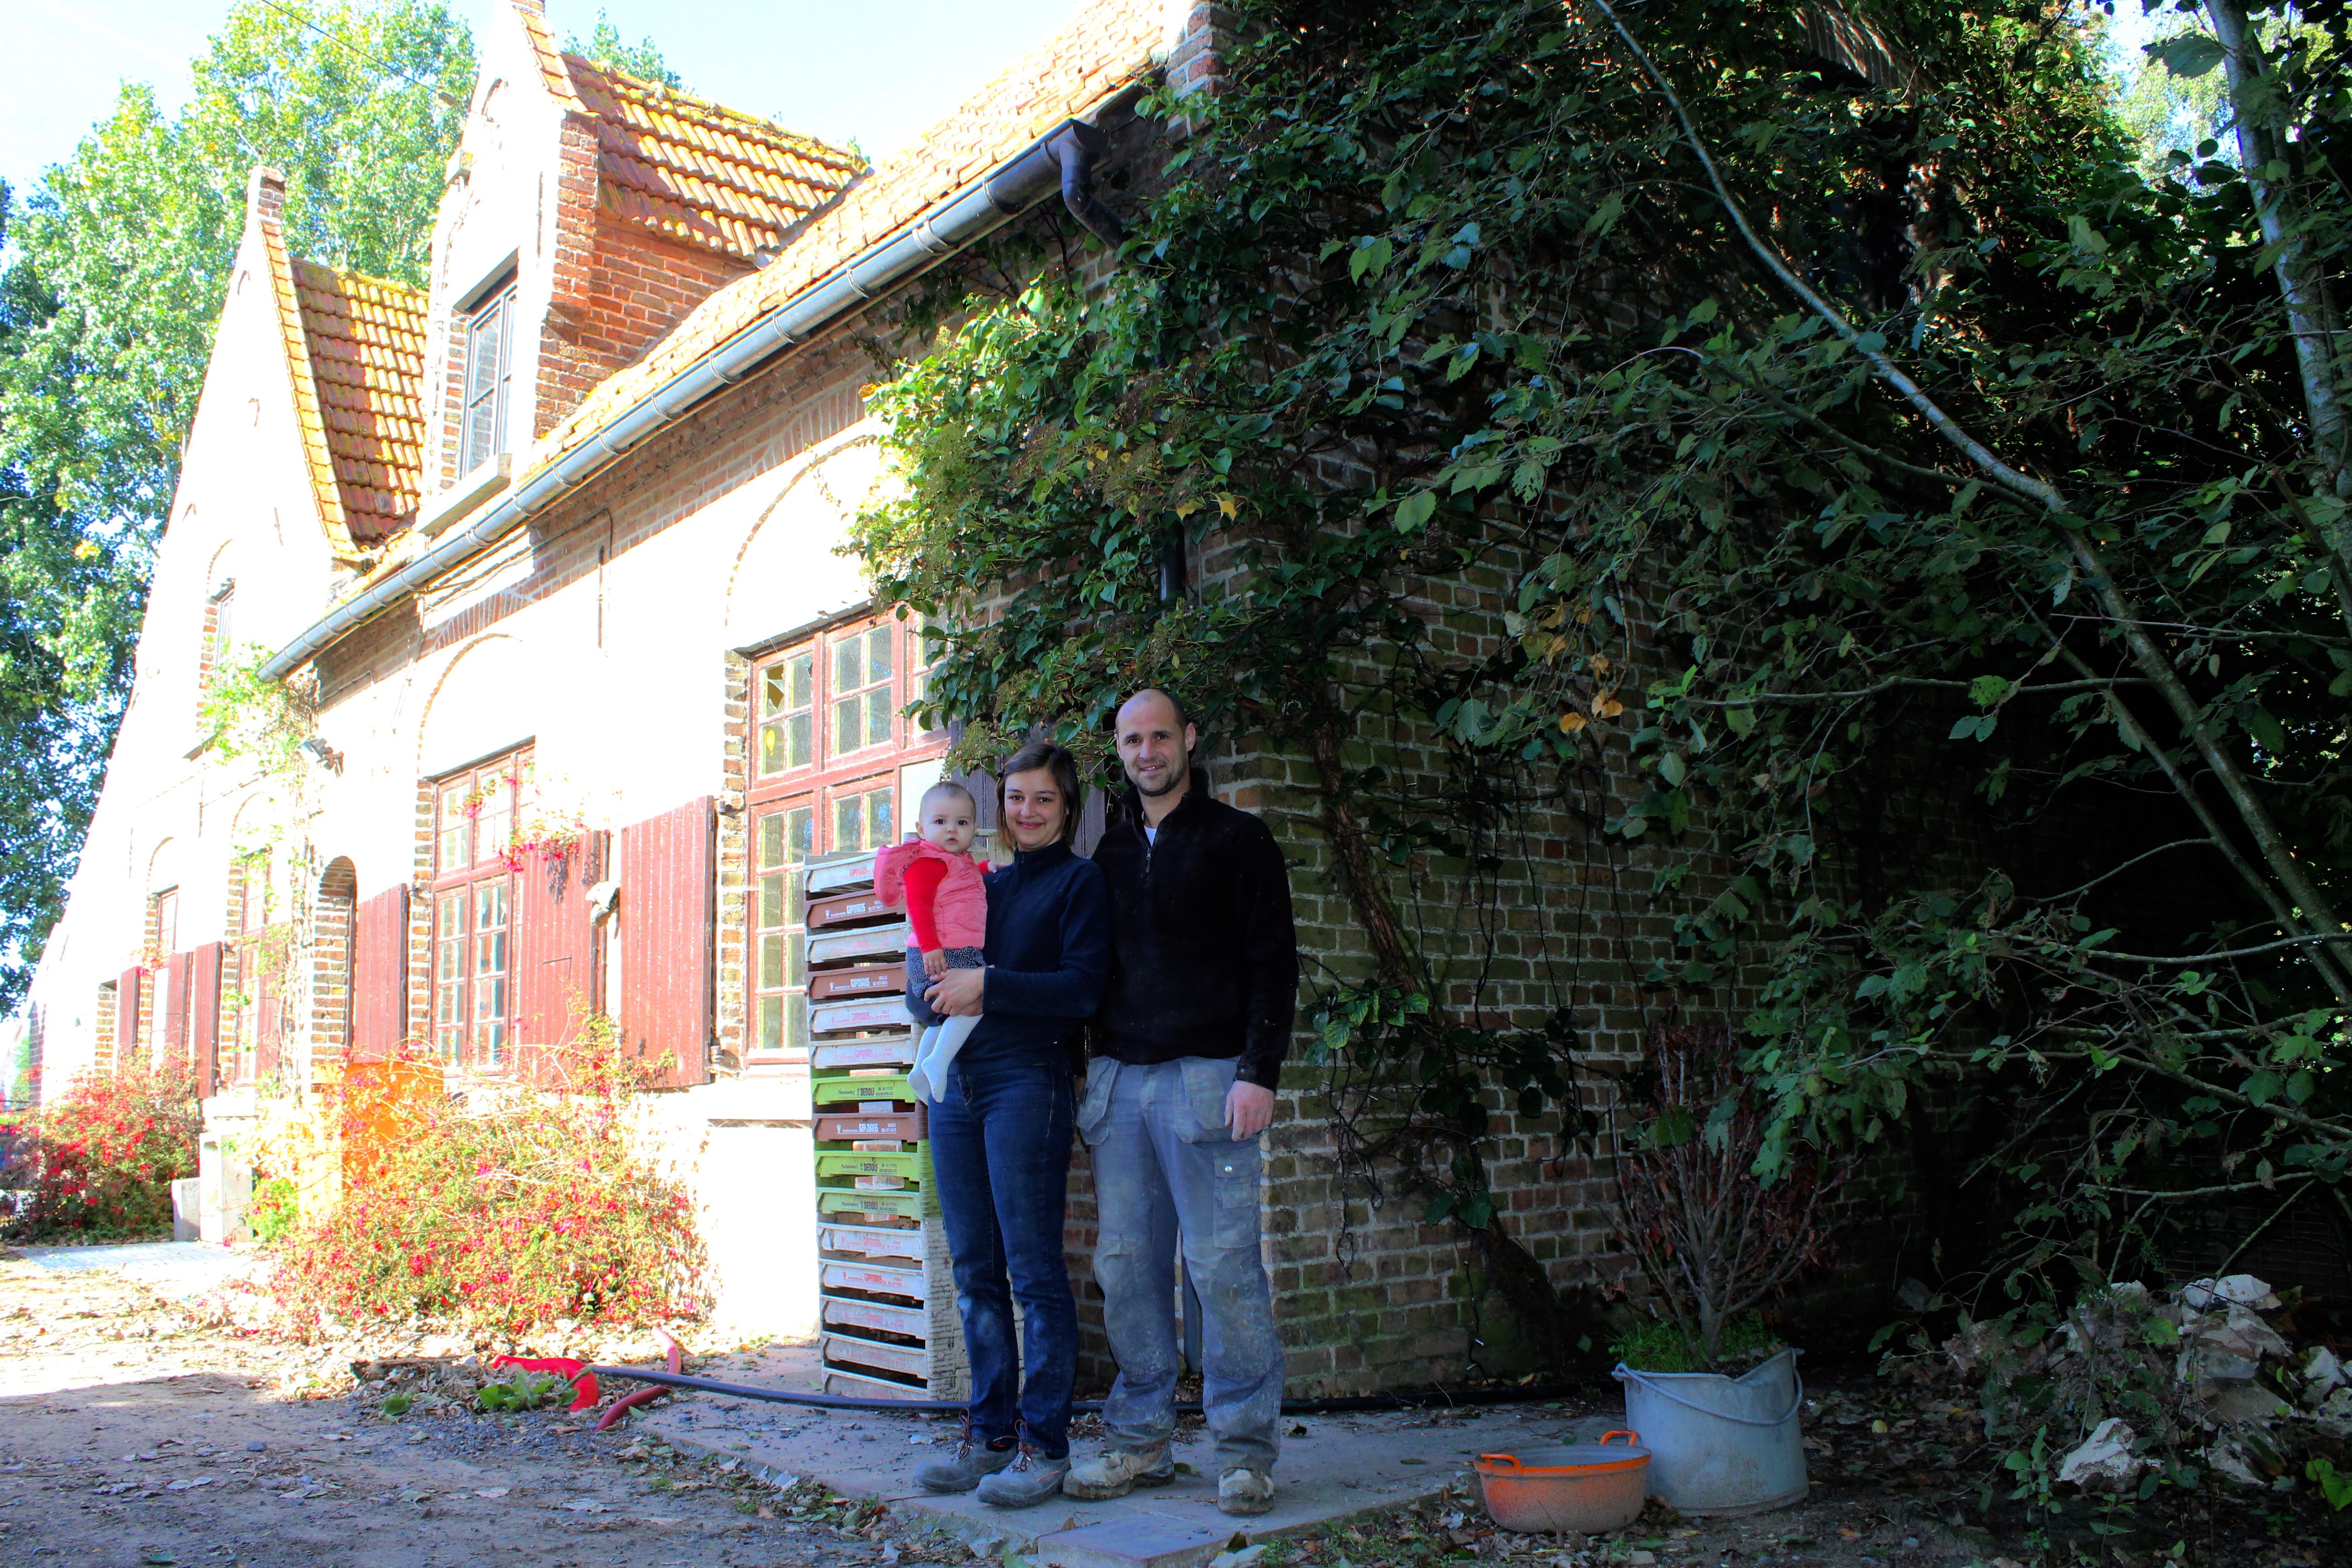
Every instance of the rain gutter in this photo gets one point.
(1061, 160)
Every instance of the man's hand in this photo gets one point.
(958, 992)
(935, 963)
(1249, 1109)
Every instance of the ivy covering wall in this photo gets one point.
(1920, 536)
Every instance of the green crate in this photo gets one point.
(906, 1203)
(850, 1091)
(910, 1167)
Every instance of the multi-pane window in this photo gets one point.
(781, 845)
(862, 820)
(255, 1004)
(827, 748)
(864, 698)
(787, 714)
(490, 375)
(473, 911)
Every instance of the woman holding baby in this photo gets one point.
(995, 1072)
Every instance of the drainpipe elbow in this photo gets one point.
(1075, 147)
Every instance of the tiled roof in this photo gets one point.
(689, 171)
(1106, 45)
(364, 340)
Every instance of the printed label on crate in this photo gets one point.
(879, 1145)
(897, 1050)
(912, 1322)
(857, 1013)
(872, 1240)
(913, 1361)
(881, 1280)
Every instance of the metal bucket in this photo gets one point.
(1589, 1488)
(1721, 1444)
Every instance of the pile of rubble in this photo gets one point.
(2229, 1390)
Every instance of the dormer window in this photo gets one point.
(490, 375)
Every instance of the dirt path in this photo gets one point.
(129, 1435)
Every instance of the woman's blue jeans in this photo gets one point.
(1001, 1147)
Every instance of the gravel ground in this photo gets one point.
(130, 1434)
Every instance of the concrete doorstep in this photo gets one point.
(1332, 1469)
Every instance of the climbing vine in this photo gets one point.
(1918, 549)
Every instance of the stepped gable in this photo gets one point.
(365, 342)
(692, 172)
(1106, 45)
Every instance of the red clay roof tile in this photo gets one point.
(365, 342)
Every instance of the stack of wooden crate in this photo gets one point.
(888, 1310)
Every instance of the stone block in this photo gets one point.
(1139, 1541)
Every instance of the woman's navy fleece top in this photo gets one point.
(1048, 954)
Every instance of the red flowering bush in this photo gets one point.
(541, 1207)
(101, 1162)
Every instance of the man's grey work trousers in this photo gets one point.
(1166, 1166)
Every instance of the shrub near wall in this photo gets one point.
(99, 1163)
(536, 1210)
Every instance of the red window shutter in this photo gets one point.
(554, 955)
(668, 888)
(380, 975)
(126, 1015)
(203, 1017)
(178, 969)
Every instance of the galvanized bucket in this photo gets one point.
(1721, 1444)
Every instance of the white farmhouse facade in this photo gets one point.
(549, 553)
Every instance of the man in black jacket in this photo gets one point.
(1187, 1051)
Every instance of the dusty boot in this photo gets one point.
(1026, 1481)
(1245, 1492)
(973, 1463)
(1115, 1472)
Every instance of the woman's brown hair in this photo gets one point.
(1055, 760)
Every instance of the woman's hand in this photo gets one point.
(958, 992)
(935, 963)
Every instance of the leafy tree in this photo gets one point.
(642, 59)
(107, 310)
(1924, 541)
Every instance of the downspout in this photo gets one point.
(1062, 159)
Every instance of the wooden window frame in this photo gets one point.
(489, 378)
(246, 963)
(470, 964)
(775, 939)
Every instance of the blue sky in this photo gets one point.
(879, 70)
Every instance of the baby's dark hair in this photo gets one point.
(949, 786)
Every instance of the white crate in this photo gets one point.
(860, 944)
(840, 873)
(875, 1242)
(854, 1015)
(840, 1312)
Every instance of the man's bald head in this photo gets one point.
(1155, 744)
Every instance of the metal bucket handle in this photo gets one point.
(1625, 1373)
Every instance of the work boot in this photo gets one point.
(1245, 1492)
(973, 1463)
(1026, 1482)
(1115, 1472)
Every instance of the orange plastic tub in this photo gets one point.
(1588, 1488)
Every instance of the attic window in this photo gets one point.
(489, 374)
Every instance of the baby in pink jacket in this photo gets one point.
(938, 884)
